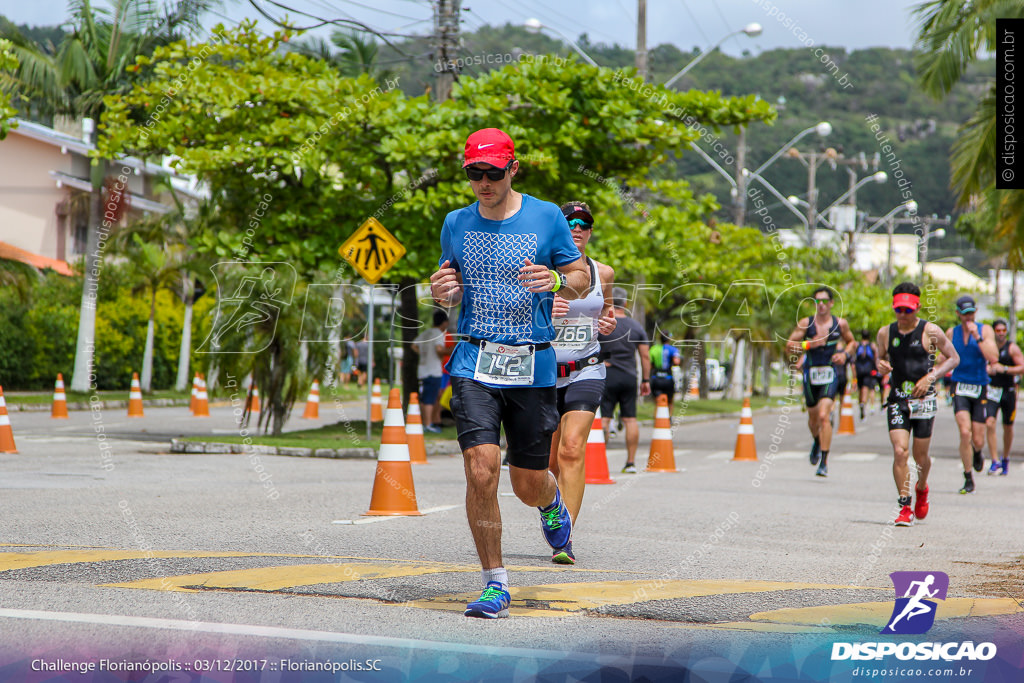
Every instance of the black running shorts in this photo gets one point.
(528, 414)
(977, 407)
(1007, 403)
(867, 380)
(619, 389)
(663, 384)
(584, 395)
(898, 416)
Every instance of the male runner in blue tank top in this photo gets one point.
(829, 344)
(1002, 395)
(906, 348)
(977, 348)
(501, 258)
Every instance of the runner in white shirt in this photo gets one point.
(580, 370)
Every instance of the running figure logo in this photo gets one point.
(914, 612)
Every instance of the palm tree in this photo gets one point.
(8, 63)
(92, 62)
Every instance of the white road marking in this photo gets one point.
(371, 520)
(277, 632)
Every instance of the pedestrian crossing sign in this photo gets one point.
(372, 250)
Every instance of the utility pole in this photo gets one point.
(641, 39)
(639, 311)
(446, 36)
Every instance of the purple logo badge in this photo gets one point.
(916, 592)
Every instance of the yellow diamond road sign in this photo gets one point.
(372, 250)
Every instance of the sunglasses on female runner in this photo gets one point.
(580, 223)
(494, 174)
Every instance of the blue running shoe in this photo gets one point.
(492, 603)
(822, 470)
(564, 555)
(994, 467)
(556, 523)
(1005, 466)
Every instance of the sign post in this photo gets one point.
(372, 251)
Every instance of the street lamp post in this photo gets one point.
(536, 26)
(823, 129)
(747, 173)
(928, 234)
(752, 30)
(910, 207)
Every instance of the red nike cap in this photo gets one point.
(489, 146)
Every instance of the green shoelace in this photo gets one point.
(551, 520)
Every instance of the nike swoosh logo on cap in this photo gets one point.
(490, 144)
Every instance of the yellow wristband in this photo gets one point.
(805, 345)
(558, 280)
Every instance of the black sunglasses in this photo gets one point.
(580, 223)
(494, 174)
(903, 310)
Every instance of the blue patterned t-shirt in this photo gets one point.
(495, 305)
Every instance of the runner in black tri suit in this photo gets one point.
(829, 345)
(1002, 395)
(907, 348)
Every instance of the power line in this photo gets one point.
(695, 22)
(377, 9)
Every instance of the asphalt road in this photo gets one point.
(134, 554)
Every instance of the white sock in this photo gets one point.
(499, 574)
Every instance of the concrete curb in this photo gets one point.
(196, 447)
(215, 448)
(44, 407)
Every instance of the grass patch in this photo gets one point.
(46, 397)
(350, 434)
(697, 407)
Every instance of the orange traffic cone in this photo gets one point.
(846, 424)
(6, 434)
(695, 386)
(202, 400)
(414, 432)
(60, 401)
(376, 406)
(661, 458)
(254, 399)
(393, 490)
(313, 403)
(746, 449)
(195, 392)
(135, 398)
(595, 463)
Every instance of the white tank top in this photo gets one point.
(576, 333)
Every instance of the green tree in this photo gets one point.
(91, 63)
(8, 63)
(275, 134)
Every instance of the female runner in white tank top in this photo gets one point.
(580, 370)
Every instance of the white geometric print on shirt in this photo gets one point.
(502, 306)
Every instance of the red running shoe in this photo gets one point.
(921, 504)
(906, 517)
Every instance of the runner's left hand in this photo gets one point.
(536, 278)
(606, 323)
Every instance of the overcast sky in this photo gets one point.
(687, 23)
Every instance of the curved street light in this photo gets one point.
(879, 177)
(535, 25)
(747, 173)
(823, 129)
(752, 30)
